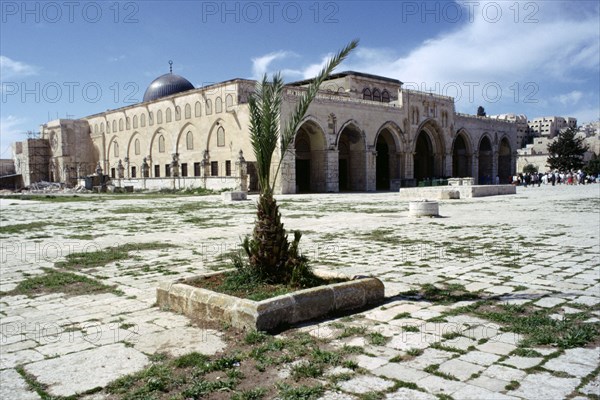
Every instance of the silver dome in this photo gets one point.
(166, 85)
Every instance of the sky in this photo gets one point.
(77, 58)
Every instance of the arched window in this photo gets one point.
(168, 114)
(136, 147)
(96, 128)
(102, 127)
(367, 94)
(228, 102)
(128, 122)
(189, 141)
(161, 144)
(188, 111)
(120, 124)
(376, 95)
(385, 96)
(115, 149)
(135, 121)
(221, 137)
(143, 120)
(159, 117)
(218, 105)
(198, 109)
(107, 127)
(208, 107)
(150, 118)
(114, 125)
(177, 113)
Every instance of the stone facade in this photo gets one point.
(362, 133)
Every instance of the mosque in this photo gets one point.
(362, 133)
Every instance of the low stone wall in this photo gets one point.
(455, 192)
(266, 315)
(188, 182)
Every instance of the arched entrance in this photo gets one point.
(461, 158)
(386, 163)
(504, 161)
(309, 146)
(423, 158)
(351, 160)
(485, 161)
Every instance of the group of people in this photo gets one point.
(553, 178)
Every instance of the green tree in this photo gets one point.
(593, 166)
(530, 168)
(271, 257)
(566, 152)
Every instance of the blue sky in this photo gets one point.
(79, 58)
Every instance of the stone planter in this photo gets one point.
(268, 314)
(423, 208)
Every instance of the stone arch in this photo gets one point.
(135, 160)
(388, 146)
(310, 155)
(180, 142)
(429, 147)
(486, 160)
(111, 159)
(212, 133)
(352, 151)
(462, 155)
(504, 160)
(160, 159)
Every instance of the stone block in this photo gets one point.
(234, 196)
(202, 304)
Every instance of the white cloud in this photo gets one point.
(570, 98)
(10, 69)
(260, 65)
(117, 58)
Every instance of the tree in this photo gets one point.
(530, 169)
(593, 166)
(271, 257)
(566, 152)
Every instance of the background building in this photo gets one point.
(362, 133)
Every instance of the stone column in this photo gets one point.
(494, 166)
(332, 173)
(242, 173)
(371, 172)
(476, 169)
(448, 164)
(205, 172)
(127, 167)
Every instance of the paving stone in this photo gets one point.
(13, 386)
(493, 384)
(338, 371)
(575, 362)
(523, 362)
(471, 392)
(411, 340)
(369, 363)
(544, 386)
(437, 385)
(70, 374)
(430, 357)
(593, 387)
(549, 302)
(480, 358)
(179, 341)
(11, 360)
(484, 331)
(504, 373)
(336, 396)
(496, 347)
(400, 371)
(460, 369)
(363, 384)
(409, 394)
(587, 300)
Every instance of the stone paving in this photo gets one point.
(539, 248)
